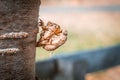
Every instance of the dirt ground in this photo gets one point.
(109, 74)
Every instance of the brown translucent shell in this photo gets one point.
(51, 36)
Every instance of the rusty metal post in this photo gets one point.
(18, 25)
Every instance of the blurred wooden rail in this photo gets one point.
(77, 65)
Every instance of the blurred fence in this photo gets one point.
(77, 65)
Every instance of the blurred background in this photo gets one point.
(90, 24)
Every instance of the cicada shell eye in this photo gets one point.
(65, 32)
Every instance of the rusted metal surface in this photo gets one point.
(17, 16)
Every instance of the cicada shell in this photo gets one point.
(51, 36)
(14, 35)
(9, 50)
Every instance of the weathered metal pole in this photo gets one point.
(18, 25)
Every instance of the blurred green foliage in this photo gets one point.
(78, 42)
